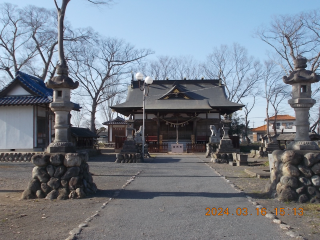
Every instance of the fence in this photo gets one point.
(160, 148)
(193, 147)
(119, 140)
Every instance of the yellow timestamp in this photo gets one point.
(258, 212)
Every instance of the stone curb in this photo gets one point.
(74, 233)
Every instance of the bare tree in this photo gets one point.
(14, 41)
(101, 69)
(28, 40)
(274, 91)
(239, 72)
(247, 109)
(174, 68)
(105, 109)
(292, 35)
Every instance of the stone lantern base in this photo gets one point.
(60, 176)
(61, 147)
(303, 145)
(295, 175)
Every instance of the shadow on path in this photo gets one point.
(134, 194)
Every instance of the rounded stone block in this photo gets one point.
(305, 181)
(311, 158)
(291, 157)
(54, 183)
(287, 194)
(290, 170)
(303, 198)
(305, 170)
(71, 172)
(72, 160)
(40, 160)
(41, 174)
(289, 181)
(56, 159)
(315, 180)
(316, 168)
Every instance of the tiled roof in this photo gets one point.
(282, 117)
(260, 129)
(40, 93)
(23, 100)
(117, 121)
(83, 132)
(195, 96)
(33, 84)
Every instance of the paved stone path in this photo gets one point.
(168, 200)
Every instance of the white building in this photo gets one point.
(26, 121)
(284, 124)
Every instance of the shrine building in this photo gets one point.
(177, 110)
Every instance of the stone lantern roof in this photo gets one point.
(300, 74)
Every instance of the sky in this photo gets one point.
(183, 27)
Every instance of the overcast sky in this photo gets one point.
(183, 27)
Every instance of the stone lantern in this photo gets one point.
(301, 80)
(226, 145)
(61, 106)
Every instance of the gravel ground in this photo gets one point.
(307, 225)
(44, 219)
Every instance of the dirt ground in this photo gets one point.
(307, 225)
(44, 219)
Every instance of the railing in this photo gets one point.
(161, 148)
(193, 147)
(119, 140)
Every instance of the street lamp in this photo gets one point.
(148, 80)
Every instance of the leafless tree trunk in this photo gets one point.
(274, 90)
(247, 110)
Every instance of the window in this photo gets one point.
(289, 125)
(303, 88)
(59, 93)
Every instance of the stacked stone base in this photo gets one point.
(295, 176)
(128, 158)
(221, 157)
(60, 176)
(16, 156)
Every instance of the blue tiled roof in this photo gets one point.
(41, 94)
(23, 100)
(34, 84)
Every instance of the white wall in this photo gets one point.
(16, 127)
(18, 90)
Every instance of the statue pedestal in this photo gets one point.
(302, 145)
(226, 147)
(61, 147)
(270, 147)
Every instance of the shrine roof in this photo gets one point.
(182, 95)
(116, 121)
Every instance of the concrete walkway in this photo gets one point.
(169, 200)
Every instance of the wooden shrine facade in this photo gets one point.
(182, 109)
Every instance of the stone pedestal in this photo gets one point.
(226, 146)
(294, 175)
(270, 147)
(60, 176)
